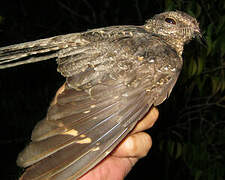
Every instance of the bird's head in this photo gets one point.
(176, 27)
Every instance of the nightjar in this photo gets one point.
(114, 75)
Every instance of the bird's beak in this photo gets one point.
(197, 32)
(199, 37)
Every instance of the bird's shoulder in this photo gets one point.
(120, 53)
(113, 33)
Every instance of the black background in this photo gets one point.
(26, 91)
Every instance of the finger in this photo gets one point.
(111, 167)
(135, 146)
(147, 122)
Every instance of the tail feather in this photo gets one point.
(29, 52)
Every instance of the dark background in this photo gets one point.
(189, 136)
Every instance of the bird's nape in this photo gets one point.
(114, 75)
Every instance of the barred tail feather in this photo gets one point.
(29, 52)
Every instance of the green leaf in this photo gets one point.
(221, 24)
(179, 150)
(215, 84)
(1, 19)
(222, 48)
(200, 65)
(171, 145)
(192, 68)
(198, 174)
(189, 8)
(198, 9)
(200, 82)
(169, 5)
(209, 38)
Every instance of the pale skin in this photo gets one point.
(134, 147)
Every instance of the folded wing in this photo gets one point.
(113, 76)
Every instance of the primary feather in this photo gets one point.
(113, 76)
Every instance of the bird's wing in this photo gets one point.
(44, 49)
(80, 130)
(100, 104)
(113, 78)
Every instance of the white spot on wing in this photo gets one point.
(174, 69)
(82, 135)
(93, 106)
(152, 61)
(72, 132)
(84, 141)
(107, 152)
(96, 148)
(116, 97)
(125, 95)
(140, 58)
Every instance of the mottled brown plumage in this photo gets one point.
(113, 77)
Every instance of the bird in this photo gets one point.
(114, 75)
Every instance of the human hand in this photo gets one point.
(135, 146)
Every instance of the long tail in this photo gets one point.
(35, 51)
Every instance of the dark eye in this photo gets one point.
(170, 20)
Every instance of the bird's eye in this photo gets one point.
(170, 20)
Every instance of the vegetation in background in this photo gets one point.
(188, 139)
(195, 138)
